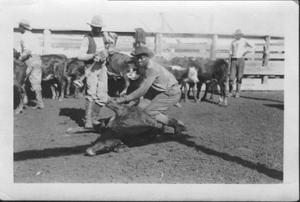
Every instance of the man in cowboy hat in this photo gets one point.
(140, 38)
(29, 48)
(238, 49)
(159, 88)
(94, 49)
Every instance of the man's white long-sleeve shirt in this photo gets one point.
(239, 47)
(28, 42)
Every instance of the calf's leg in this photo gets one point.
(199, 86)
(205, 92)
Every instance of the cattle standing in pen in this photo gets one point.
(184, 73)
(53, 70)
(19, 82)
(75, 69)
(209, 71)
(118, 66)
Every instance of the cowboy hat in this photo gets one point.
(25, 24)
(142, 51)
(96, 21)
(238, 32)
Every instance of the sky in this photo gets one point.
(253, 17)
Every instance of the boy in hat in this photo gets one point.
(159, 88)
(94, 50)
(29, 49)
(238, 49)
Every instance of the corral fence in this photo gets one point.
(181, 44)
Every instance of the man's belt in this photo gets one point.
(236, 58)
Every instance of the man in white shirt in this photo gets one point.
(94, 50)
(238, 49)
(29, 49)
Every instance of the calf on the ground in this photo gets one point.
(53, 70)
(129, 124)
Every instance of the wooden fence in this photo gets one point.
(179, 44)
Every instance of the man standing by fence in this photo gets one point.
(238, 50)
(29, 49)
(94, 51)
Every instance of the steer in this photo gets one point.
(19, 81)
(53, 70)
(75, 69)
(185, 73)
(118, 66)
(212, 71)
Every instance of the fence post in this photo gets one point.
(264, 79)
(266, 56)
(213, 46)
(46, 41)
(266, 51)
(158, 43)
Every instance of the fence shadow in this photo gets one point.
(49, 152)
(75, 114)
(65, 151)
(273, 173)
(262, 99)
(278, 106)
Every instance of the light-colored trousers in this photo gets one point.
(156, 104)
(97, 89)
(34, 70)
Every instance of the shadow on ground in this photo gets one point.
(278, 106)
(75, 114)
(65, 151)
(262, 99)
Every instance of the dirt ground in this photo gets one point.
(241, 143)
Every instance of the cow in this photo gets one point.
(19, 81)
(212, 72)
(120, 65)
(53, 70)
(120, 69)
(16, 54)
(75, 69)
(185, 73)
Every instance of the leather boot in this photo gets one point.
(40, 103)
(178, 126)
(88, 114)
(95, 113)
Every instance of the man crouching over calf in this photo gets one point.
(159, 88)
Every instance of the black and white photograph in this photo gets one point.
(149, 100)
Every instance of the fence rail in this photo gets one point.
(178, 44)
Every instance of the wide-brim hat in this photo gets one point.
(25, 24)
(238, 32)
(142, 51)
(96, 21)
